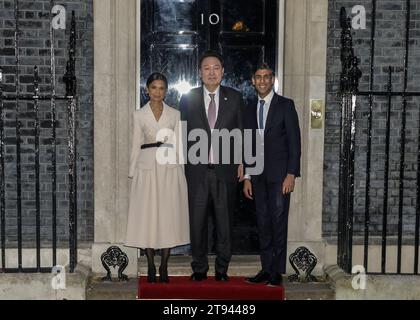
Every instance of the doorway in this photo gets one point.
(173, 36)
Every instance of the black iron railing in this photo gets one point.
(348, 87)
(349, 99)
(36, 97)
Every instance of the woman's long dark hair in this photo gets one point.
(157, 76)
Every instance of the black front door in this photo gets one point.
(174, 33)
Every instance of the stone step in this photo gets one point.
(181, 265)
(128, 291)
(98, 290)
(309, 291)
(248, 266)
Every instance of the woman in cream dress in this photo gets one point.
(158, 209)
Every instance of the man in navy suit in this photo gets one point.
(274, 121)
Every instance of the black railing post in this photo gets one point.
(417, 225)
(386, 173)
(349, 81)
(369, 139)
(71, 87)
(18, 135)
(37, 182)
(53, 140)
(402, 146)
(2, 178)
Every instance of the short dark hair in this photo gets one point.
(262, 66)
(157, 76)
(211, 53)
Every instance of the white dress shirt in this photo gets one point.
(267, 103)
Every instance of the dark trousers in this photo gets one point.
(222, 195)
(272, 210)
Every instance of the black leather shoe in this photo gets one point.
(221, 276)
(260, 277)
(275, 280)
(199, 276)
(163, 275)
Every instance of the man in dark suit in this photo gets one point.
(210, 108)
(274, 121)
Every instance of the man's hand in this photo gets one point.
(288, 184)
(248, 189)
(240, 173)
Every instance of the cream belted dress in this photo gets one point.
(158, 209)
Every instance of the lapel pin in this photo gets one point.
(225, 99)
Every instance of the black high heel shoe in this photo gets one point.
(163, 275)
(151, 275)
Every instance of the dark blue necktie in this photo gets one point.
(261, 115)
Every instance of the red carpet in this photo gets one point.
(181, 287)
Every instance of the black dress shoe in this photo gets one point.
(199, 276)
(163, 275)
(275, 280)
(221, 276)
(260, 277)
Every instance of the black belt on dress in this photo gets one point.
(156, 145)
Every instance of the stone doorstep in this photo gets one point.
(309, 291)
(38, 286)
(377, 286)
(98, 290)
(180, 265)
(247, 266)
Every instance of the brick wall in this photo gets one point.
(390, 44)
(34, 49)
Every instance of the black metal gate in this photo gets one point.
(351, 100)
(36, 98)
